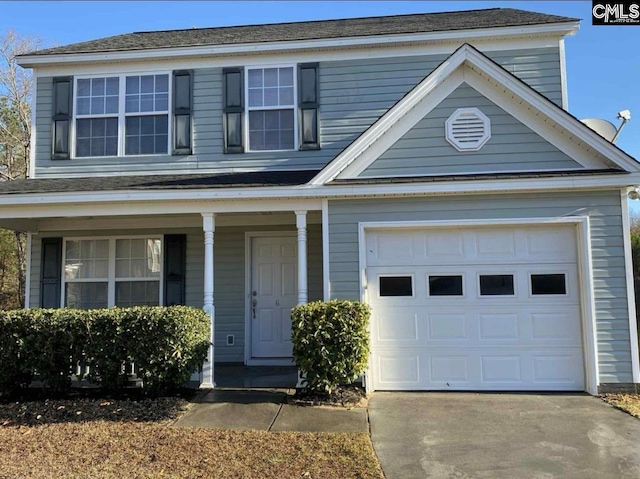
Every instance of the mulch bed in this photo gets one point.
(343, 396)
(91, 405)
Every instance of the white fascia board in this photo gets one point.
(354, 159)
(558, 29)
(124, 203)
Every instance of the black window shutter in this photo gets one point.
(175, 269)
(233, 108)
(182, 112)
(62, 108)
(50, 272)
(308, 104)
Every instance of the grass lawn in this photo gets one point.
(627, 402)
(93, 438)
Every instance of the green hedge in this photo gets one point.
(331, 342)
(166, 344)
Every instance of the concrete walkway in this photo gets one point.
(266, 410)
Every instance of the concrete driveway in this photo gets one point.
(470, 435)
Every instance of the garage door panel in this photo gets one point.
(453, 337)
(479, 370)
(484, 326)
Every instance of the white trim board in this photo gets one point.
(255, 200)
(584, 265)
(468, 65)
(326, 263)
(630, 286)
(478, 34)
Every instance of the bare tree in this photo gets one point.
(16, 86)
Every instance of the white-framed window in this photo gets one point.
(122, 115)
(115, 271)
(271, 108)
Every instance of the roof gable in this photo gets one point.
(511, 147)
(517, 98)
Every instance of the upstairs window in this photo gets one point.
(147, 115)
(271, 108)
(122, 115)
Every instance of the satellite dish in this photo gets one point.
(604, 128)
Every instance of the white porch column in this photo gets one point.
(301, 224)
(209, 226)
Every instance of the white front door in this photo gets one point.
(273, 295)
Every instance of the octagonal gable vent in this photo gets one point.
(468, 129)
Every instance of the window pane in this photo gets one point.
(255, 97)
(308, 85)
(146, 135)
(86, 259)
(548, 284)
(112, 86)
(271, 130)
(286, 96)
(286, 76)
(84, 87)
(271, 97)
(146, 84)
(83, 106)
(445, 285)
(96, 137)
(97, 105)
(396, 286)
(98, 87)
(270, 77)
(86, 295)
(147, 93)
(137, 293)
(111, 105)
(97, 96)
(162, 83)
(132, 85)
(138, 258)
(496, 285)
(255, 78)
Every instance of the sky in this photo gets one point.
(603, 62)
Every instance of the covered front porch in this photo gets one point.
(246, 268)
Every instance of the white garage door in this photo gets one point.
(475, 309)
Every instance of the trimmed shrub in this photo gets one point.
(331, 342)
(166, 343)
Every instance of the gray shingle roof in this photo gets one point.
(312, 30)
(156, 182)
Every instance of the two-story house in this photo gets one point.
(426, 164)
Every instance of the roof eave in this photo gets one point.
(552, 29)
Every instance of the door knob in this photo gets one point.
(254, 303)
